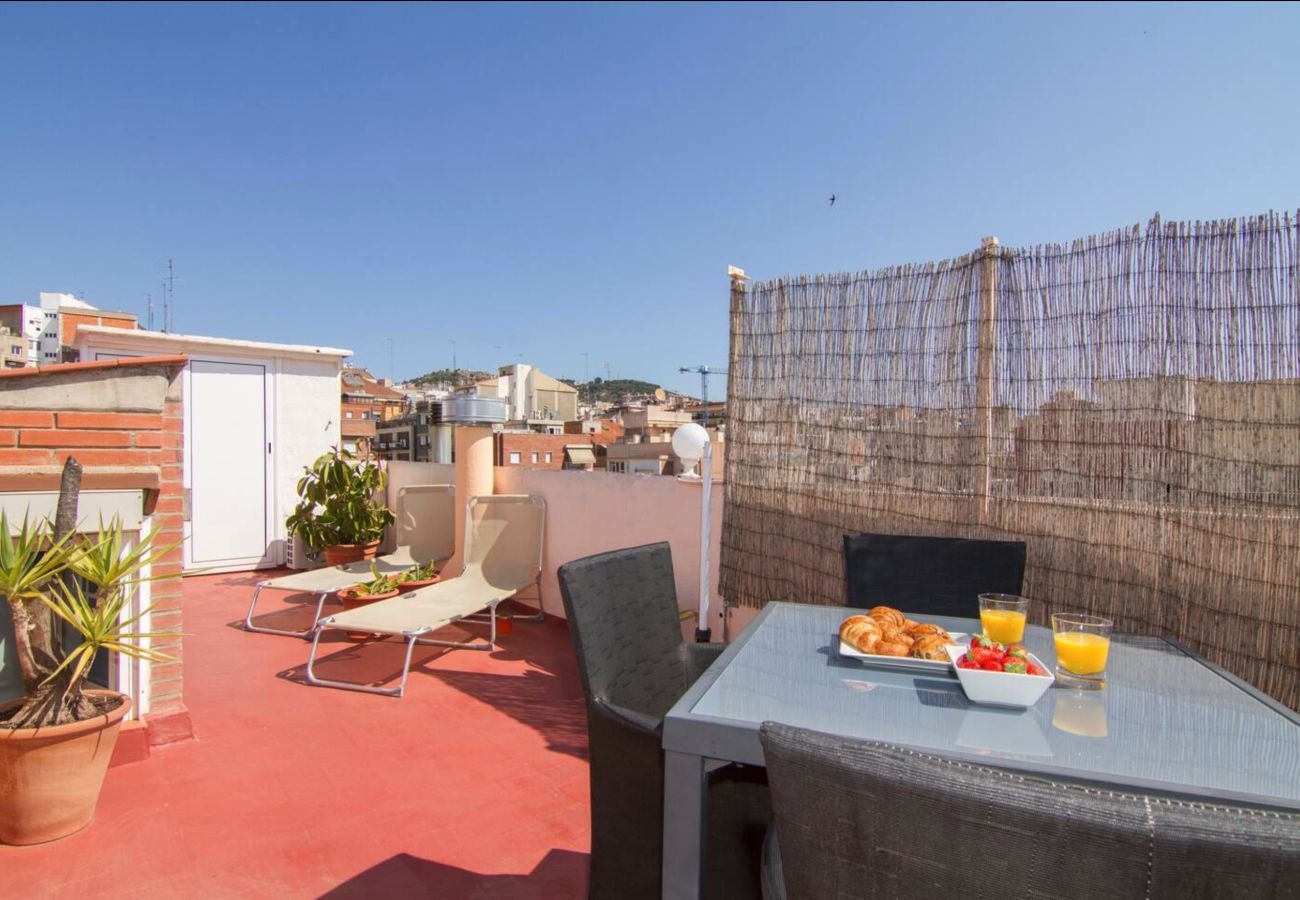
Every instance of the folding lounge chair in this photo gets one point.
(503, 556)
(426, 517)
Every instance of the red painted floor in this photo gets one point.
(474, 785)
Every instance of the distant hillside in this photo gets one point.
(447, 376)
(612, 391)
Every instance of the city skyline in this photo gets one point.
(565, 180)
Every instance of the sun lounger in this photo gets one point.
(425, 532)
(503, 556)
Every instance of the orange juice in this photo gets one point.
(1006, 626)
(1082, 653)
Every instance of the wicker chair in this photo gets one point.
(935, 576)
(867, 820)
(622, 612)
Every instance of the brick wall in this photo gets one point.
(122, 420)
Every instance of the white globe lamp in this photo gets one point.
(689, 442)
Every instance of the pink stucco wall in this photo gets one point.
(589, 512)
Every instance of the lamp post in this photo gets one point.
(692, 445)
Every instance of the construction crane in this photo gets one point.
(704, 372)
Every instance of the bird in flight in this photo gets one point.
(832, 199)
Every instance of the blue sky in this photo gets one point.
(560, 180)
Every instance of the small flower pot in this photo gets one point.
(352, 600)
(341, 554)
(407, 586)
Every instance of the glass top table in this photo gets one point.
(1167, 721)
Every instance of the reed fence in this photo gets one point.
(1128, 404)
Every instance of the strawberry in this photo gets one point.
(1018, 650)
(1035, 669)
(1016, 665)
(991, 665)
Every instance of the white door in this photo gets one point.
(227, 453)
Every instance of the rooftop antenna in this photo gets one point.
(392, 369)
(148, 306)
(704, 373)
(169, 297)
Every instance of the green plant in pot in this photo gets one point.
(338, 513)
(420, 576)
(56, 742)
(379, 587)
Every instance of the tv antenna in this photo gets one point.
(169, 296)
(148, 307)
(704, 372)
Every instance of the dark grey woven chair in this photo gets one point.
(936, 576)
(865, 820)
(622, 613)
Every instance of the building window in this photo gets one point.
(514, 458)
(534, 457)
(548, 459)
(347, 414)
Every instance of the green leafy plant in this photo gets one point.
(337, 502)
(379, 584)
(420, 573)
(35, 567)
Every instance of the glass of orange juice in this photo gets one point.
(1082, 646)
(1002, 617)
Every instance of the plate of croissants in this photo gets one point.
(886, 637)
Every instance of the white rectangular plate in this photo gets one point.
(904, 663)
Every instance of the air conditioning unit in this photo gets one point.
(299, 557)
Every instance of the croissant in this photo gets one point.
(860, 632)
(887, 614)
(890, 648)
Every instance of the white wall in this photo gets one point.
(303, 410)
(590, 512)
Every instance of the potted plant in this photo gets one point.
(56, 742)
(420, 576)
(380, 587)
(337, 511)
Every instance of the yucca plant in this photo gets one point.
(35, 568)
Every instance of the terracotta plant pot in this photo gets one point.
(50, 777)
(341, 554)
(354, 601)
(407, 586)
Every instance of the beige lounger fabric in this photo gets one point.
(502, 558)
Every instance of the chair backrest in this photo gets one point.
(870, 820)
(426, 521)
(622, 612)
(936, 576)
(503, 539)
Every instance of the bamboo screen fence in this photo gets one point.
(1128, 405)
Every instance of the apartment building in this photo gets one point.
(365, 401)
(536, 401)
(528, 450)
(46, 333)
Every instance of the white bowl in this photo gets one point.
(1000, 688)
